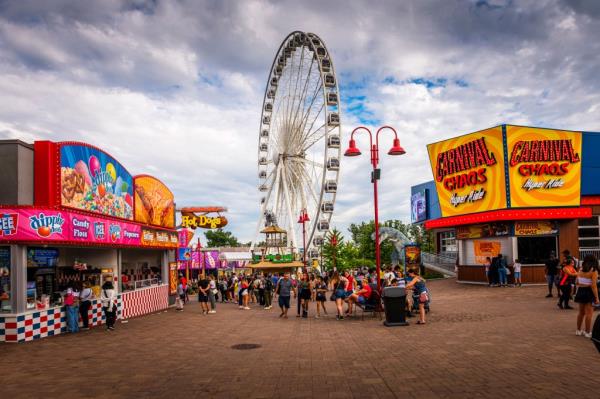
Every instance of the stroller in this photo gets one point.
(415, 304)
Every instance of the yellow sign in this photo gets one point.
(469, 172)
(202, 221)
(484, 249)
(482, 230)
(535, 228)
(544, 167)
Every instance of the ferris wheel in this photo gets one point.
(299, 141)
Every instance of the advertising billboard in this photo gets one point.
(40, 224)
(418, 206)
(154, 202)
(93, 181)
(544, 167)
(469, 172)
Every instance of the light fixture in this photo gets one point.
(352, 151)
(396, 148)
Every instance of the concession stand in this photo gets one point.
(519, 191)
(70, 213)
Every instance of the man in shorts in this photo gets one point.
(284, 290)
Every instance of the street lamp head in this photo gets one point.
(396, 148)
(352, 151)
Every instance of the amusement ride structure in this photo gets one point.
(299, 143)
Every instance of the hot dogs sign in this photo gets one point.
(507, 166)
(199, 217)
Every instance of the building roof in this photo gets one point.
(273, 229)
(270, 265)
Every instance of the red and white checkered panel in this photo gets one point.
(144, 301)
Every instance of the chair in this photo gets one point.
(373, 305)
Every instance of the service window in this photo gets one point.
(535, 250)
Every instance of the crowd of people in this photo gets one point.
(577, 281)
(347, 289)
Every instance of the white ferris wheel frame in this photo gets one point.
(277, 178)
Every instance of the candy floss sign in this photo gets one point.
(52, 225)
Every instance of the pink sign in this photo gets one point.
(211, 259)
(60, 225)
(196, 257)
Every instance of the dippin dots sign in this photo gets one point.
(45, 225)
(469, 172)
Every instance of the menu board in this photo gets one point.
(42, 257)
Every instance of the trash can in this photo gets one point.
(394, 301)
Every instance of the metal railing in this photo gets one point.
(584, 252)
(444, 263)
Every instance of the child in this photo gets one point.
(517, 271)
(321, 289)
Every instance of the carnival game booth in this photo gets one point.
(71, 213)
(521, 191)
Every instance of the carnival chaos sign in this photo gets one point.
(544, 167)
(535, 228)
(469, 172)
(191, 219)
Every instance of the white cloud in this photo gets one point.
(175, 88)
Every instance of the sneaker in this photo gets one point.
(317, 316)
(212, 312)
(578, 332)
(587, 334)
(560, 305)
(246, 308)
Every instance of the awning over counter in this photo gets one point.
(235, 256)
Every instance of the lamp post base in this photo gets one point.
(396, 324)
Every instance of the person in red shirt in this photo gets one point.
(361, 296)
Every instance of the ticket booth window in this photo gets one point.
(536, 250)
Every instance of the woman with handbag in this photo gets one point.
(212, 294)
(338, 286)
(418, 285)
(108, 298)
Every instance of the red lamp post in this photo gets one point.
(303, 219)
(334, 243)
(353, 151)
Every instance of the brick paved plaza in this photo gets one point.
(480, 342)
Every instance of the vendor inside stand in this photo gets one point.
(140, 268)
(51, 270)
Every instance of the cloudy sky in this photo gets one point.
(174, 88)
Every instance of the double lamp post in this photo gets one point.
(353, 151)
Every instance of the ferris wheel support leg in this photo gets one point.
(261, 217)
(289, 209)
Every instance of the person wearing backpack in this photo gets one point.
(268, 292)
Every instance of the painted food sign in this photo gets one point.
(535, 228)
(154, 202)
(485, 249)
(32, 225)
(93, 181)
(172, 278)
(544, 167)
(482, 231)
(469, 172)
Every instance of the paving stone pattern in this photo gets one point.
(479, 343)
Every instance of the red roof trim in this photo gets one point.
(591, 200)
(511, 214)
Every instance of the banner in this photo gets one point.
(418, 206)
(184, 254)
(40, 224)
(482, 231)
(154, 202)
(196, 259)
(536, 228)
(211, 259)
(412, 255)
(483, 249)
(173, 278)
(469, 172)
(93, 181)
(544, 167)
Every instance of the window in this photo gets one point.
(5, 299)
(448, 242)
(589, 233)
(535, 250)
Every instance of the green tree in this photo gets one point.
(220, 238)
(333, 242)
(362, 236)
